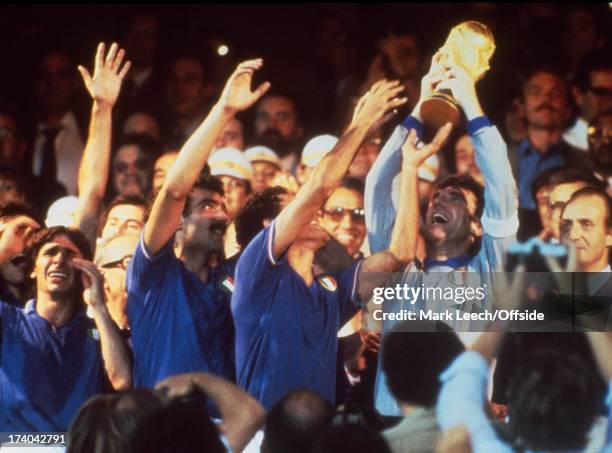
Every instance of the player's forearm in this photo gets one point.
(115, 353)
(94, 168)
(195, 152)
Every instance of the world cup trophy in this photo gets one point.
(469, 45)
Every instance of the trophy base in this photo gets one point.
(438, 110)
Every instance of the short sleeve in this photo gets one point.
(145, 269)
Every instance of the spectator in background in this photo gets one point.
(12, 145)
(266, 166)
(56, 143)
(343, 216)
(231, 136)
(132, 168)
(586, 221)
(17, 221)
(541, 194)
(365, 158)
(106, 423)
(583, 32)
(277, 126)
(294, 423)
(413, 355)
(553, 400)
(234, 170)
(141, 123)
(399, 57)
(188, 92)
(561, 185)
(113, 256)
(12, 186)
(315, 150)
(143, 84)
(161, 168)
(592, 92)
(600, 148)
(124, 215)
(546, 103)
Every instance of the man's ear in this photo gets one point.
(609, 238)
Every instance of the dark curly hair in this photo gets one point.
(261, 206)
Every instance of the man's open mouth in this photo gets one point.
(218, 226)
(439, 218)
(19, 260)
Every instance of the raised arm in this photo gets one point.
(371, 112)
(405, 236)
(103, 87)
(241, 415)
(379, 210)
(168, 206)
(117, 362)
(491, 152)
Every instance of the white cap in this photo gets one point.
(61, 212)
(230, 162)
(317, 148)
(262, 154)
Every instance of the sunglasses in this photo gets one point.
(337, 214)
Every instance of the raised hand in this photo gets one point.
(287, 181)
(237, 94)
(430, 81)
(462, 86)
(105, 84)
(93, 282)
(413, 157)
(378, 105)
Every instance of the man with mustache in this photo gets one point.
(277, 126)
(546, 104)
(179, 316)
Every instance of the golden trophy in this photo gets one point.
(469, 45)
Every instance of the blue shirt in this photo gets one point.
(179, 324)
(530, 164)
(46, 374)
(499, 222)
(286, 332)
(462, 402)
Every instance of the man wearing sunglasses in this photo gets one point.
(343, 216)
(600, 147)
(592, 92)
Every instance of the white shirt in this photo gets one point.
(577, 135)
(68, 152)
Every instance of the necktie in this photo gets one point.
(48, 169)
